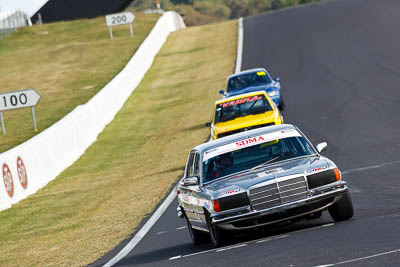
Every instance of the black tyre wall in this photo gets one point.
(343, 209)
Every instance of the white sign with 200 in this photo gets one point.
(120, 19)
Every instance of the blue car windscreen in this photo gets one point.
(247, 80)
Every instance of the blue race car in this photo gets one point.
(254, 80)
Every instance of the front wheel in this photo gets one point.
(197, 236)
(218, 236)
(343, 209)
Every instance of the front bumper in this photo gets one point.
(246, 217)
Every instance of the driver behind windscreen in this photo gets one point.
(224, 162)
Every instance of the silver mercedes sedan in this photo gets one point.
(258, 177)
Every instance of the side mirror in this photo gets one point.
(208, 124)
(190, 181)
(222, 92)
(277, 79)
(321, 147)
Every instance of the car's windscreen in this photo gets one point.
(250, 105)
(255, 155)
(246, 80)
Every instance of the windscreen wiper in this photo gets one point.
(230, 175)
(266, 163)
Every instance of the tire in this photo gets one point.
(197, 236)
(281, 104)
(342, 210)
(218, 237)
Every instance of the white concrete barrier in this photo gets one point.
(31, 165)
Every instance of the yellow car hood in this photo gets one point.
(247, 121)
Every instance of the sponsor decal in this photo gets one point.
(247, 142)
(250, 141)
(230, 192)
(185, 197)
(261, 73)
(8, 180)
(318, 169)
(22, 175)
(211, 150)
(241, 101)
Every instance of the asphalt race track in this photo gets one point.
(339, 64)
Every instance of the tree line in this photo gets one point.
(207, 11)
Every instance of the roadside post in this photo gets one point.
(16, 100)
(120, 19)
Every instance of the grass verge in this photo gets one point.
(101, 199)
(67, 63)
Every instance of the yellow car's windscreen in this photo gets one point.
(250, 105)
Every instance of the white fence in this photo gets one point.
(14, 19)
(31, 165)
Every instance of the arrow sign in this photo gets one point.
(19, 99)
(119, 19)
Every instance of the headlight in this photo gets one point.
(273, 93)
(231, 202)
(323, 178)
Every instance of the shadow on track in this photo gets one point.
(155, 257)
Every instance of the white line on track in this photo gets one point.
(360, 259)
(231, 247)
(162, 232)
(393, 215)
(371, 167)
(176, 257)
(327, 225)
(192, 254)
(271, 238)
(180, 228)
(312, 228)
(239, 50)
(247, 243)
(143, 231)
(209, 250)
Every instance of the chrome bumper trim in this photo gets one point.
(232, 227)
(338, 191)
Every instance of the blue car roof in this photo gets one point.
(246, 72)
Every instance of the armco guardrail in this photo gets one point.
(31, 165)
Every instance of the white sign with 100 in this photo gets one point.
(19, 99)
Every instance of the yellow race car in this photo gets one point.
(243, 112)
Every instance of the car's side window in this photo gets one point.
(196, 167)
(189, 165)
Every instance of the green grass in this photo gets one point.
(101, 199)
(67, 63)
